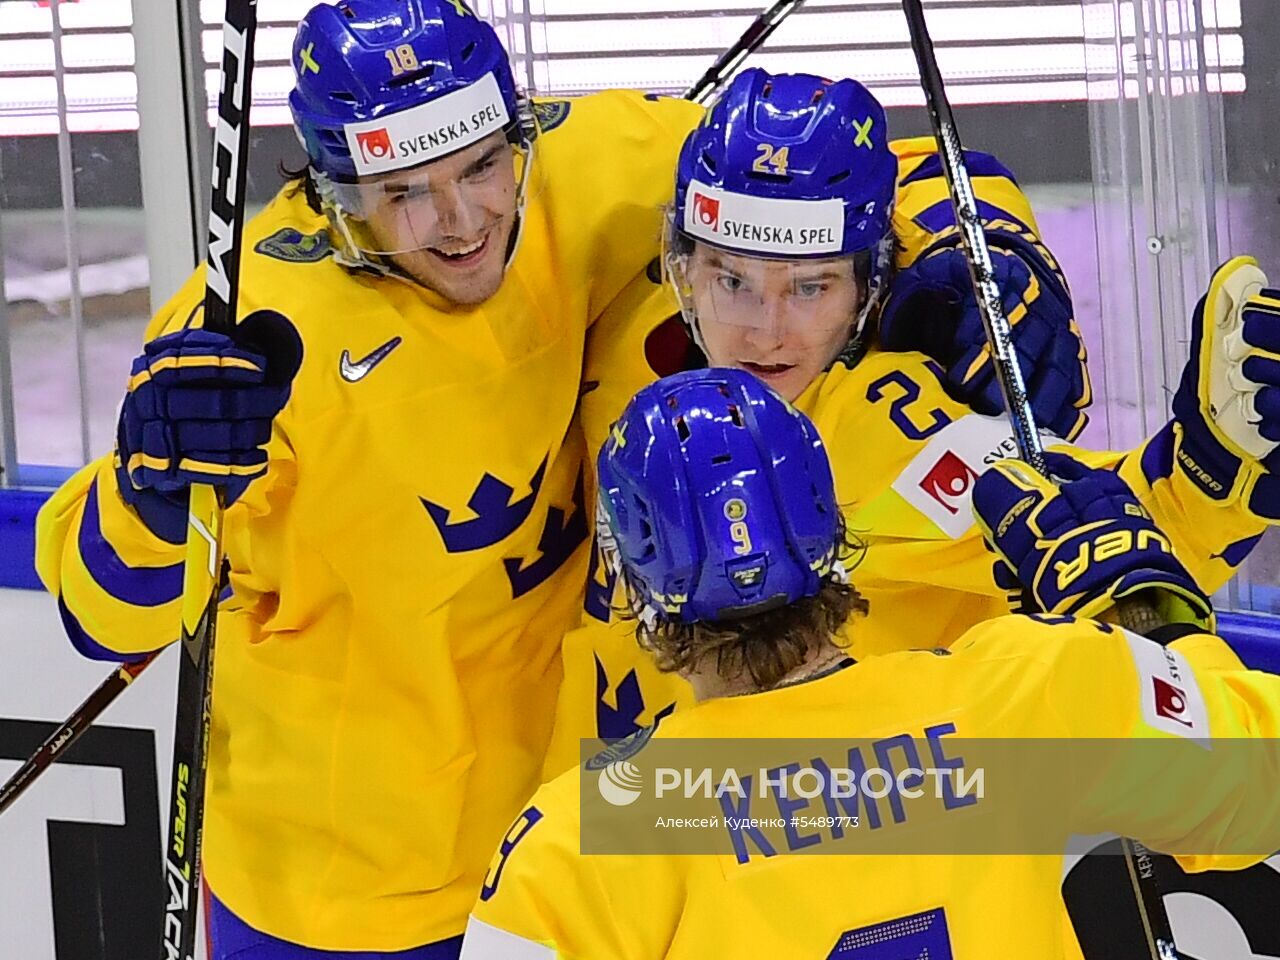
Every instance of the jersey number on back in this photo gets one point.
(524, 823)
(917, 935)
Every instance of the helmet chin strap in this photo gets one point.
(877, 281)
(690, 319)
(347, 253)
(673, 272)
(522, 198)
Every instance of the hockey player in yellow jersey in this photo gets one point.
(781, 269)
(406, 531)
(723, 520)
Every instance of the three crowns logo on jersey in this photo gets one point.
(375, 145)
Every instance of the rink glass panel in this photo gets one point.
(71, 223)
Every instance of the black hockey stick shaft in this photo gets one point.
(1156, 928)
(974, 241)
(68, 732)
(203, 567)
(218, 316)
(748, 43)
(1142, 872)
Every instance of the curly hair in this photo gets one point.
(766, 646)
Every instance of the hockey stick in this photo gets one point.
(974, 241)
(203, 565)
(748, 43)
(1133, 614)
(68, 732)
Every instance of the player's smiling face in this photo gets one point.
(782, 320)
(453, 219)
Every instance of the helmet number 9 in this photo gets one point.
(771, 156)
(402, 59)
(741, 536)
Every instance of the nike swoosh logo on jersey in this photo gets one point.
(355, 371)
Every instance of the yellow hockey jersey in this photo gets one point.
(904, 455)
(776, 895)
(389, 658)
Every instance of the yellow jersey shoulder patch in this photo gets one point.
(294, 246)
(550, 113)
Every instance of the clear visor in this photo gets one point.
(813, 299)
(445, 204)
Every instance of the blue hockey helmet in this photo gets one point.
(788, 166)
(717, 499)
(374, 75)
(785, 171)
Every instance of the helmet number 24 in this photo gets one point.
(770, 156)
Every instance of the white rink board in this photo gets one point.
(43, 678)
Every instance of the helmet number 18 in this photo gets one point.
(402, 59)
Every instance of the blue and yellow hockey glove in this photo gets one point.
(1078, 546)
(931, 307)
(199, 410)
(1226, 411)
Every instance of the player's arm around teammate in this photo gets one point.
(1076, 545)
(1206, 476)
(406, 537)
